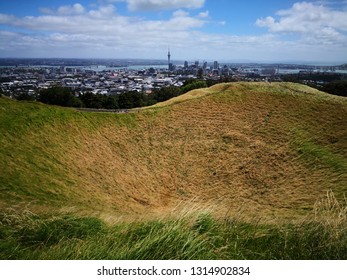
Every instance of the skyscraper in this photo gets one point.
(215, 65)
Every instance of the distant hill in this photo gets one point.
(257, 148)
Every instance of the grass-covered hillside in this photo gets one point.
(241, 151)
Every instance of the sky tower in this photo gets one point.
(169, 59)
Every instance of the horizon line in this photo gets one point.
(236, 61)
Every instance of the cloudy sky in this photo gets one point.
(227, 30)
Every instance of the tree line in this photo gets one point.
(336, 88)
(333, 83)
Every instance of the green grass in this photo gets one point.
(323, 155)
(192, 236)
(19, 117)
(316, 154)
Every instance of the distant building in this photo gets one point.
(215, 65)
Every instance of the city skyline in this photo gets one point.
(274, 31)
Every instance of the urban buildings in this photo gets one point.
(110, 78)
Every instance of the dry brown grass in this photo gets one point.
(236, 154)
(230, 148)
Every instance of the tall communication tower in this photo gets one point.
(169, 59)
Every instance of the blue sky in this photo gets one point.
(226, 30)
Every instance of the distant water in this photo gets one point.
(296, 71)
(132, 67)
(96, 68)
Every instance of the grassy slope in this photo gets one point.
(266, 150)
(185, 235)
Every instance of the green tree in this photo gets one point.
(91, 100)
(166, 93)
(25, 96)
(110, 102)
(131, 99)
(60, 96)
(336, 88)
(193, 84)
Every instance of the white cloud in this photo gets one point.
(76, 8)
(102, 21)
(103, 11)
(71, 9)
(5, 19)
(99, 29)
(204, 14)
(146, 5)
(316, 23)
(180, 13)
